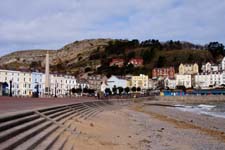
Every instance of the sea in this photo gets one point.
(212, 109)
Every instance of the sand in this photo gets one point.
(144, 127)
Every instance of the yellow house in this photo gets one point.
(129, 83)
(140, 81)
(188, 69)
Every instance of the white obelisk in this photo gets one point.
(47, 77)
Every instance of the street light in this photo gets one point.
(56, 84)
(37, 89)
(10, 88)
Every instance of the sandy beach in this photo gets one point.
(147, 127)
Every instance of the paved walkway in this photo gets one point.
(12, 105)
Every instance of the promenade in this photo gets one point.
(13, 104)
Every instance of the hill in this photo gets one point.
(94, 56)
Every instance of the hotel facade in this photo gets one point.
(27, 83)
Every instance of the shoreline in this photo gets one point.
(187, 120)
(188, 99)
(144, 127)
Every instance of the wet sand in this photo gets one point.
(145, 127)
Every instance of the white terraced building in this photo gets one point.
(8, 75)
(170, 83)
(38, 81)
(25, 83)
(183, 80)
(212, 79)
(61, 85)
(209, 67)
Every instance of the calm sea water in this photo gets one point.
(212, 109)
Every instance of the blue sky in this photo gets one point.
(50, 24)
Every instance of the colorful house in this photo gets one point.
(188, 69)
(140, 81)
(137, 62)
(163, 73)
(38, 83)
(117, 62)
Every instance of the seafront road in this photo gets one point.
(14, 104)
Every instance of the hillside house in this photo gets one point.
(95, 81)
(163, 73)
(137, 62)
(140, 81)
(116, 81)
(209, 67)
(188, 69)
(117, 62)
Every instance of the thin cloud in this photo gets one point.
(28, 24)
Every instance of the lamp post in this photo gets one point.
(37, 89)
(55, 89)
(10, 88)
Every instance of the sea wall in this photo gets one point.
(191, 99)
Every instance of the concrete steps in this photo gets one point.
(19, 129)
(16, 122)
(61, 142)
(50, 140)
(31, 143)
(24, 136)
(69, 145)
(49, 128)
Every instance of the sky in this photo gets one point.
(50, 24)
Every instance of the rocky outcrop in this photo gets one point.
(69, 54)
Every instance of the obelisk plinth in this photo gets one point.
(47, 76)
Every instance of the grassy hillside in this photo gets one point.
(94, 56)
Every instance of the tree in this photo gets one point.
(127, 90)
(138, 89)
(108, 91)
(73, 90)
(134, 89)
(78, 90)
(34, 64)
(190, 57)
(152, 43)
(114, 89)
(216, 49)
(147, 55)
(135, 43)
(85, 90)
(131, 55)
(120, 90)
(129, 69)
(88, 69)
(161, 61)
